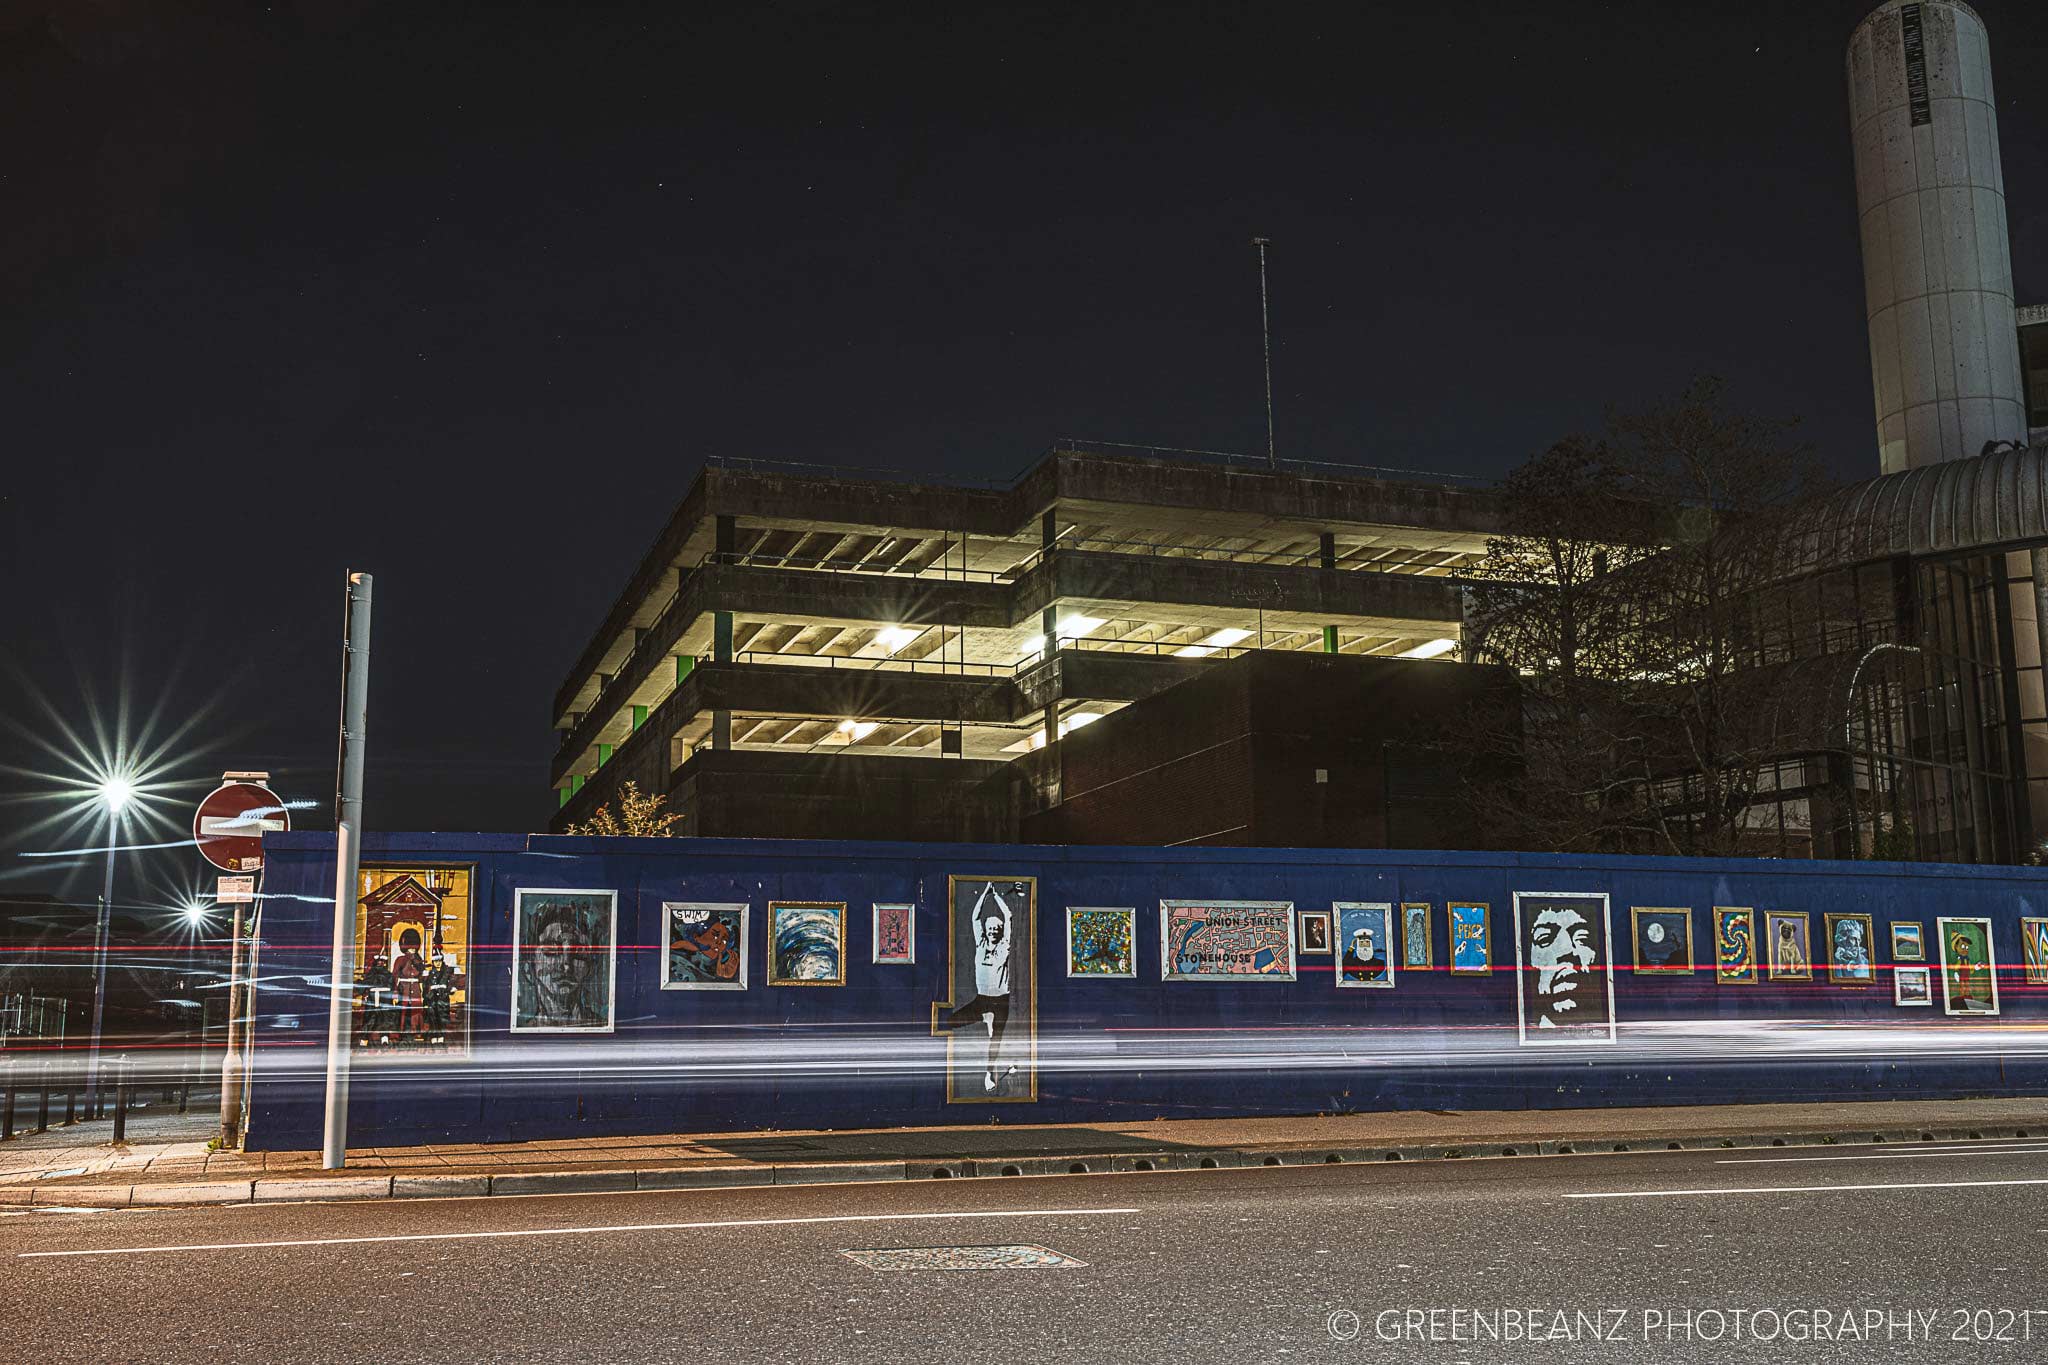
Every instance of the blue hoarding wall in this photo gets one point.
(1106, 1047)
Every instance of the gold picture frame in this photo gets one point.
(1635, 938)
(776, 976)
(1484, 938)
(1797, 967)
(1839, 975)
(1733, 971)
(1409, 958)
(2034, 949)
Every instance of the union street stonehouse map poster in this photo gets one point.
(1226, 940)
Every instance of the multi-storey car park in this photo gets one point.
(789, 622)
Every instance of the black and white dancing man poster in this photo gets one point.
(991, 1018)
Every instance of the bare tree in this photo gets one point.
(1623, 594)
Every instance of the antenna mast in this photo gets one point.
(1266, 331)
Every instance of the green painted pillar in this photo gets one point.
(639, 715)
(576, 783)
(604, 754)
(561, 797)
(1328, 556)
(1329, 639)
(685, 664)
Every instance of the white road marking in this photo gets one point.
(1802, 1189)
(581, 1231)
(1882, 1156)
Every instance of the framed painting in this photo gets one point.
(1315, 932)
(1662, 938)
(1415, 949)
(1735, 945)
(1911, 986)
(1564, 959)
(1969, 969)
(807, 943)
(565, 960)
(1102, 942)
(1226, 940)
(1471, 938)
(703, 947)
(1909, 941)
(411, 995)
(989, 1017)
(1788, 940)
(1365, 938)
(2034, 950)
(1851, 960)
(895, 934)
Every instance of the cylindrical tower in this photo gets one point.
(1937, 270)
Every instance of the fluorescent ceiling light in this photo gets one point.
(1074, 627)
(893, 638)
(1032, 645)
(856, 729)
(1428, 650)
(1210, 643)
(1079, 719)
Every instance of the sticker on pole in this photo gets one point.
(236, 891)
(230, 824)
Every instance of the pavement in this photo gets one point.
(167, 1160)
(1872, 1254)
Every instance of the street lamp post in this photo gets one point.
(114, 793)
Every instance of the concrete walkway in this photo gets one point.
(163, 1171)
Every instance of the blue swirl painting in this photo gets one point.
(808, 943)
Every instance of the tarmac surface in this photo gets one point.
(1929, 1251)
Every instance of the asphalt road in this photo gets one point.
(1936, 1251)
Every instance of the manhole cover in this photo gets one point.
(962, 1258)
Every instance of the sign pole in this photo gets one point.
(348, 817)
(228, 828)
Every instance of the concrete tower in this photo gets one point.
(1937, 270)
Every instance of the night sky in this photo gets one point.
(462, 295)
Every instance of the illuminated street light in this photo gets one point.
(115, 793)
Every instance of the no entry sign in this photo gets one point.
(231, 822)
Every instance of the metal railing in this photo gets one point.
(44, 1080)
(858, 664)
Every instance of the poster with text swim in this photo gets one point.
(1471, 938)
(1365, 945)
(412, 962)
(565, 961)
(1735, 945)
(990, 1015)
(1969, 969)
(1564, 960)
(1226, 940)
(807, 943)
(704, 947)
(1102, 942)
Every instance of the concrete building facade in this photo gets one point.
(788, 622)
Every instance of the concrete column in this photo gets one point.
(1328, 560)
(721, 637)
(721, 729)
(724, 534)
